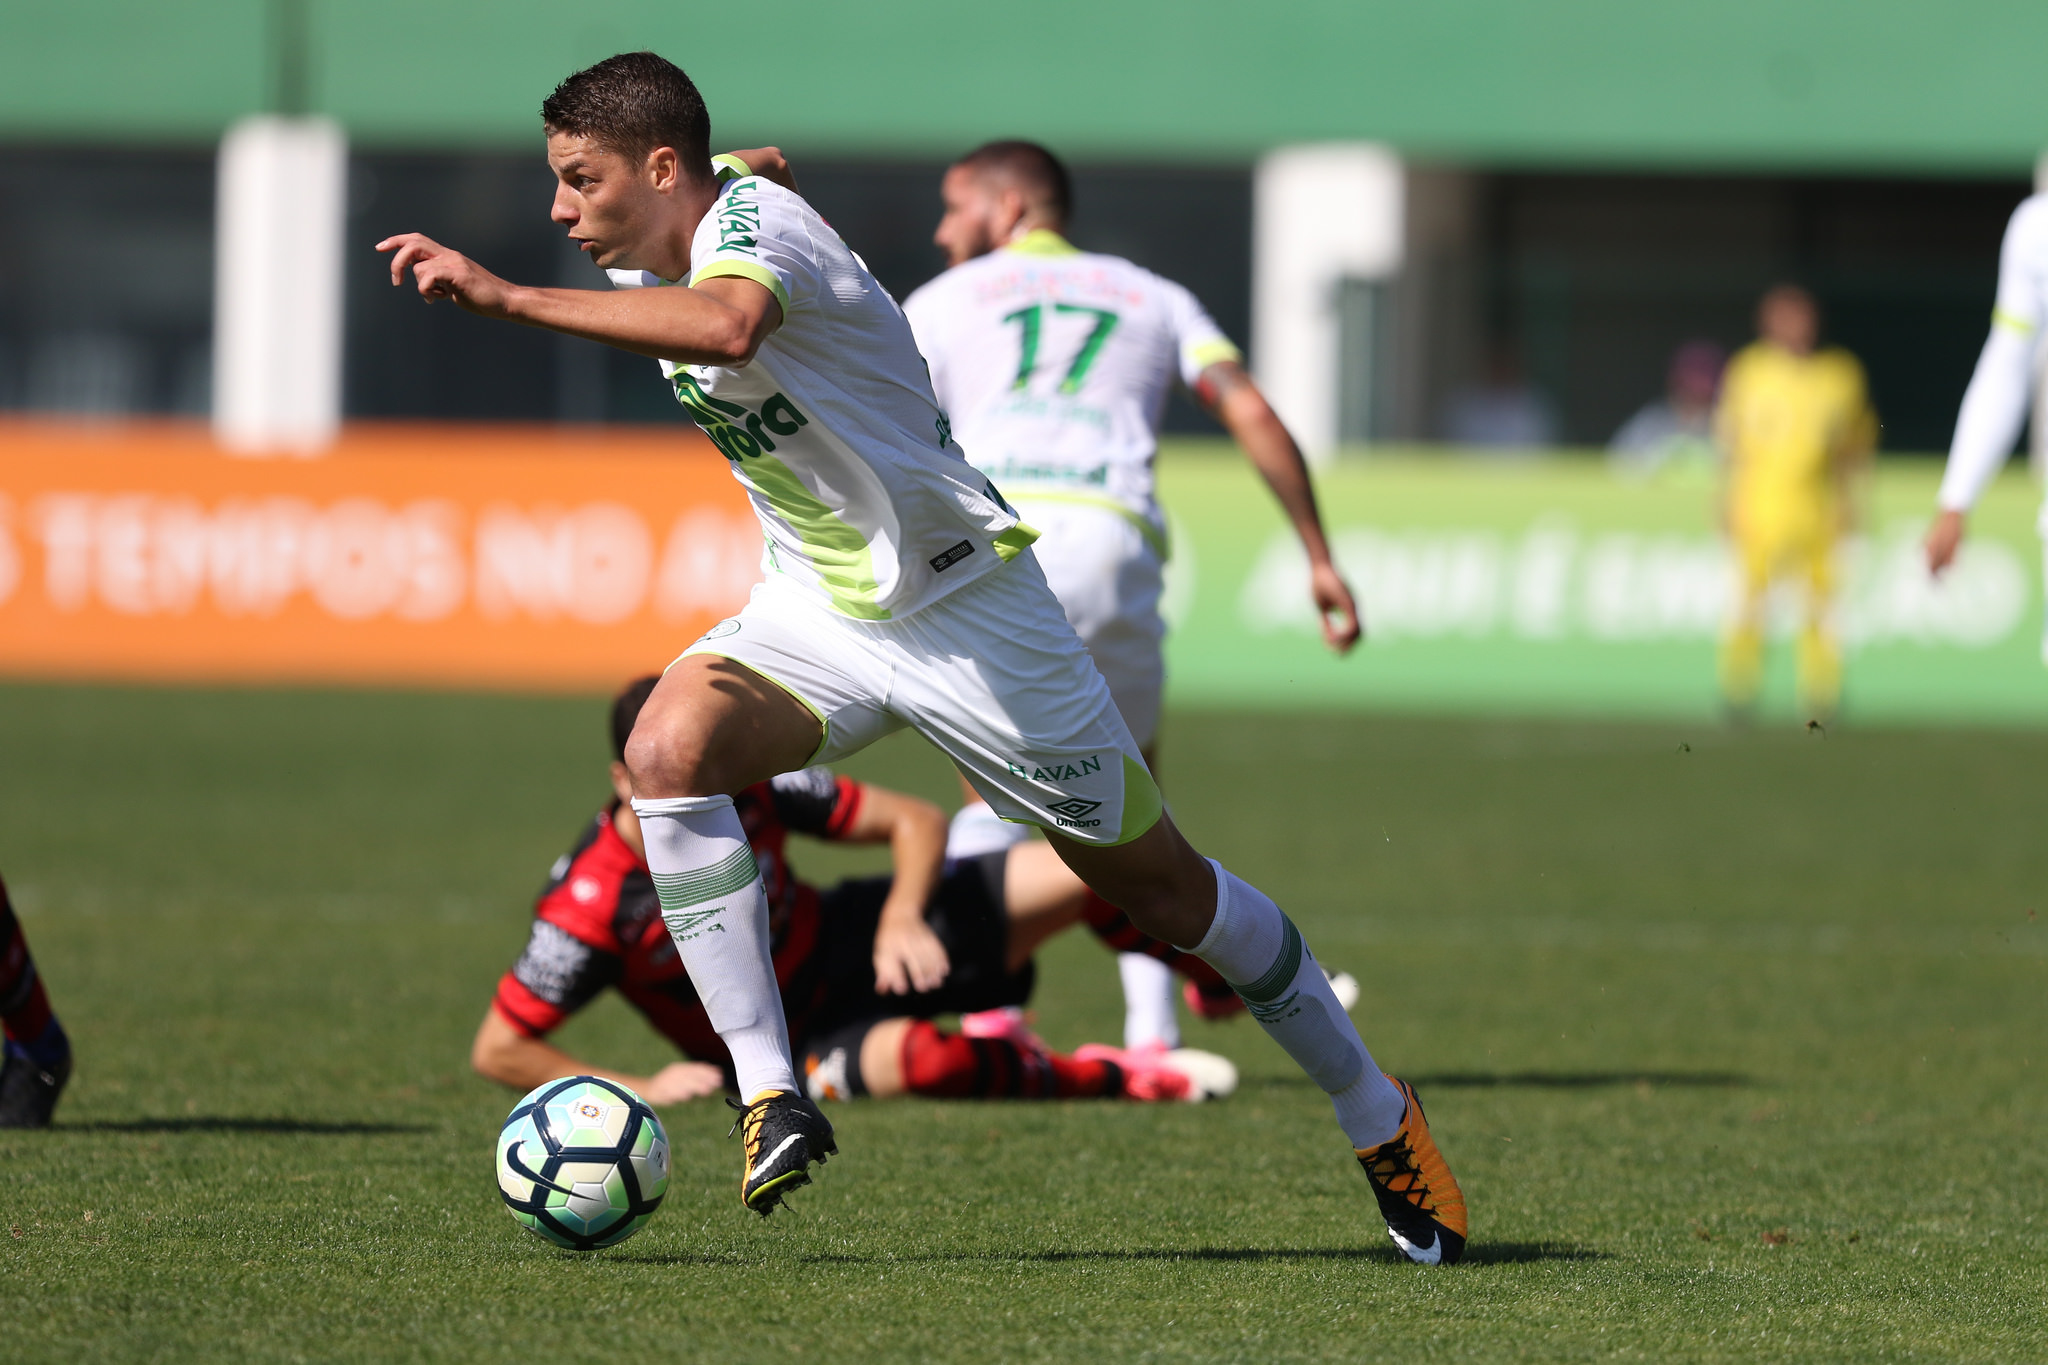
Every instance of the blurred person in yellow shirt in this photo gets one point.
(1795, 430)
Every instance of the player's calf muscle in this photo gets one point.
(1167, 889)
(713, 727)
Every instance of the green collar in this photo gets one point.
(1043, 242)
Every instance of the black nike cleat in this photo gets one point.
(28, 1093)
(783, 1134)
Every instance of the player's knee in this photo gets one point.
(487, 1056)
(667, 758)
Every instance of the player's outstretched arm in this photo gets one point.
(502, 1053)
(1994, 408)
(908, 956)
(769, 163)
(722, 321)
(1228, 392)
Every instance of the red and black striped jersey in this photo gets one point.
(597, 923)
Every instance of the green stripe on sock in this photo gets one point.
(732, 873)
(1268, 987)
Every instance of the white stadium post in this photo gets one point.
(2037, 433)
(1321, 214)
(279, 217)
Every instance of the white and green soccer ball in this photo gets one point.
(583, 1162)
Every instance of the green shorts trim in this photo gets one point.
(1142, 803)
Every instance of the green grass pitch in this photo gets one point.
(1736, 1041)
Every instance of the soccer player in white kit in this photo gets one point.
(1996, 402)
(1054, 365)
(899, 590)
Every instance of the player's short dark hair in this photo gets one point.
(1030, 167)
(626, 711)
(631, 104)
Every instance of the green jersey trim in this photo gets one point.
(840, 555)
(1155, 536)
(1043, 242)
(1214, 352)
(729, 167)
(1014, 541)
(2001, 318)
(745, 270)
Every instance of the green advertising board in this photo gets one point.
(1559, 586)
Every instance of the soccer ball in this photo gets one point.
(583, 1162)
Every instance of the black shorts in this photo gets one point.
(967, 915)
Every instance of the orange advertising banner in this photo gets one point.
(552, 557)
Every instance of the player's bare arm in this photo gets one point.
(770, 164)
(1228, 392)
(908, 955)
(722, 321)
(1945, 537)
(503, 1054)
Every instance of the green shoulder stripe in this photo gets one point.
(745, 270)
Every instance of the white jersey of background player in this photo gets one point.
(1054, 367)
(1995, 404)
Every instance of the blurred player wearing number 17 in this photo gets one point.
(900, 591)
(1054, 365)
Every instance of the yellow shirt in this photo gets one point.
(1789, 424)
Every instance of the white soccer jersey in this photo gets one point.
(1995, 404)
(1054, 365)
(866, 502)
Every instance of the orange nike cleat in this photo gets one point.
(1418, 1195)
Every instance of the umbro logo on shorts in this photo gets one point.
(946, 559)
(1074, 807)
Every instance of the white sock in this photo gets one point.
(1261, 954)
(1149, 1016)
(976, 830)
(717, 913)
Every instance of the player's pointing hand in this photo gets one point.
(1943, 539)
(444, 274)
(1335, 606)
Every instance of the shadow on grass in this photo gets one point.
(1576, 1080)
(1480, 1253)
(1534, 1080)
(205, 1124)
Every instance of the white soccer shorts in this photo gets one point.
(1109, 573)
(991, 673)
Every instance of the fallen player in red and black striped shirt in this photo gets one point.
(863, 966)
(35, 1059)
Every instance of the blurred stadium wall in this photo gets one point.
(1579, 187)
(1591, 182)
